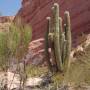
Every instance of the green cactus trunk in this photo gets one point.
(68, 39)
(63, 47)
(57, 37)
(61, 36)
(47, 56)
(51, 45)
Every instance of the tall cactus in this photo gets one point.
(59, 39)
(57, 36)
(68, 38)
(47, 45)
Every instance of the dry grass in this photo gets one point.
(79, 72)
(36, 71)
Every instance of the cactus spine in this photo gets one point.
(59, 40)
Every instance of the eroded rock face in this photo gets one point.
(5, 22)
(36, 52)
(4, 19)
(34, 12)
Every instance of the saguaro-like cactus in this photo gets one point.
(59, 40)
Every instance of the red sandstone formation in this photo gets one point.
(36, 51)
(34, 12)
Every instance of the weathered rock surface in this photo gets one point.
(36, 51)
(34, 12)
(32, 83)
(36, 83)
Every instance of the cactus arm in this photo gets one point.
(68, 38)
(51, 45)
(47, 56)
(63, 47)
(61, 35)
(57, 37)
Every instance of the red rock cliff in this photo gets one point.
(34, 12)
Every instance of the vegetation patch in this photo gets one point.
(37, 71)
(79, 71)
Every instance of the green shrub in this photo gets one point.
(14, 43)
(36, 71)
(19, 38)
(4, 52)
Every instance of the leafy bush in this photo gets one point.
(19, 37)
